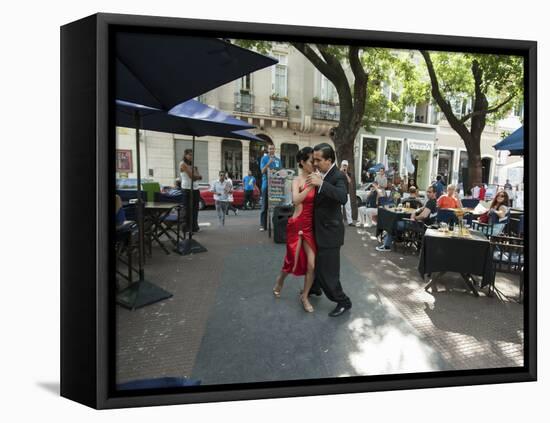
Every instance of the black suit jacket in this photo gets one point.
(328, 219)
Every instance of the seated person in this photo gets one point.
(424, 214)
(498, 212)
(175, 191)
(412, 199)
(449, 200)
(367, 214)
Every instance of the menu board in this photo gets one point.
(279, 188)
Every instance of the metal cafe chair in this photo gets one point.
(175, 221)
(385, 201)
(492, 229)
(446, 216)
(508, 257)
(413, 235)
(516, 226)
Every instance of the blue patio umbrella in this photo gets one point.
(162, 70)
(512, 143)
(375, 168)
(189, 118)
(245, 135)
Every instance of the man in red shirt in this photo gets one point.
(449, 200)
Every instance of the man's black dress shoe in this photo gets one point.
(339, 310)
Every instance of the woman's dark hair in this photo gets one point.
(505, 202)
(303, 155)
(185, 153)
(326, 150)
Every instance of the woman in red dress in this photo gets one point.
(300, 239)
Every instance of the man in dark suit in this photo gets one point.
(332, 194)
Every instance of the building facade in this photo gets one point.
(292, 106)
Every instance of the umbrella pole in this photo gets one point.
(137, 125)
(191, 246)
(191, 208)
(141, 292)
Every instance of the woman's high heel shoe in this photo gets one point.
(306, 304)
(277, 290)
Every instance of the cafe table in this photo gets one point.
(445, 251)
(157, 212)
(388, 218)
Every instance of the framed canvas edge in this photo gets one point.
(105, 400)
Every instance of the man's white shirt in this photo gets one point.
(323, 177)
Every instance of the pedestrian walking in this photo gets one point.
(221, 189)
(230, 206)
(249, 182)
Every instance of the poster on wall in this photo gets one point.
(124, 161)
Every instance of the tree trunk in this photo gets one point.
(474, 168)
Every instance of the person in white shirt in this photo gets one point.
(367, 214)
(347, 207)
(382, 179)
(221, 188)
(230, 206)
(475, 191)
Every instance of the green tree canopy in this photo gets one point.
(494, 83)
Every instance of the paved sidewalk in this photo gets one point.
(223, 324)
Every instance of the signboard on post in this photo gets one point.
(279, 191)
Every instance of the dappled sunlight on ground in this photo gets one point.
(389, 349)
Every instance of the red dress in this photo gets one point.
(298, 230)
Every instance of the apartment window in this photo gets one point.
(393, 153)
(288, 155)
(445, 165)
(461, 106)
(280, 75)
(463, 170)
(518, 109)
(368, 158)
(245, 83)
(326, 89)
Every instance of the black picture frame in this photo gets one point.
(87, 150)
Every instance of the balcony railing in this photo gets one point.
(279, 107)
(325, 110)
(244, 102)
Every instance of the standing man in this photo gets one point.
(188, 169)
(249, 181)
(331, 195)
(382, 179)
(439, 186)
(347, 207)
(269, 163)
